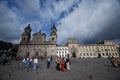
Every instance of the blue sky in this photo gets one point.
(89, 21)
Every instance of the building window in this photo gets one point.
(90, 54)
(113, 54)
(94, 54)
(103, 54)
(107, 54)
(84, 54)
(87, 54)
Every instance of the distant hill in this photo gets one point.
(5, 45)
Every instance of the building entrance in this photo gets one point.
(99, 55)
(45, 54)
(27, 55)
(36, 54)
(74, 54)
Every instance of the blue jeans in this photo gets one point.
(35, 66)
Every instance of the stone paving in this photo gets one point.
(81, 69)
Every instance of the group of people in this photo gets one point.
(5, 60)
(31, 63)
(63, 63)
(115, 63)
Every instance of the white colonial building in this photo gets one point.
(105, 49)
(62, 51)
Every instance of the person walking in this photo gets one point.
(31, 63)
(62, 65)
(35, 63)
(51, 58)
(24, 60)
(113, 62)
(48, 62)
(68, 62)
(28, 65)
(58, 64)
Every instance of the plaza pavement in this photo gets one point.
(81, 69)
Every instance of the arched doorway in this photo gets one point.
(45, 54)
(73, 51)
(27, 55)
(99, 55)
(74, 54)
(36, 54)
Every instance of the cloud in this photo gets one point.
(51, 11)
(92, 21)
(28, 8)
(9, 25)
(41, 14)
(15, 16)
(87, 20)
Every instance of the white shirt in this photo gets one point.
(48, 59)
(35, 60)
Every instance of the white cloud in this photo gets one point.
(28, 7)
(9, 24)
(84, 21)
(88, 20)
(52, 10)
(13, 19)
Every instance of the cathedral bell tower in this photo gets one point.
(26, 36)
(53, 35)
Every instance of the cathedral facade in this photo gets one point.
(39, 46)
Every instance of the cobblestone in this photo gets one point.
(81, 69)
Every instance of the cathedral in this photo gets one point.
(38, 46)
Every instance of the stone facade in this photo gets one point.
(38, 46)
(25, 38)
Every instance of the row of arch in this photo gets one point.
(95, 54)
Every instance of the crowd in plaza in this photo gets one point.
(6, 59)
(115, 63)
(82, 69)
(62, 64)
